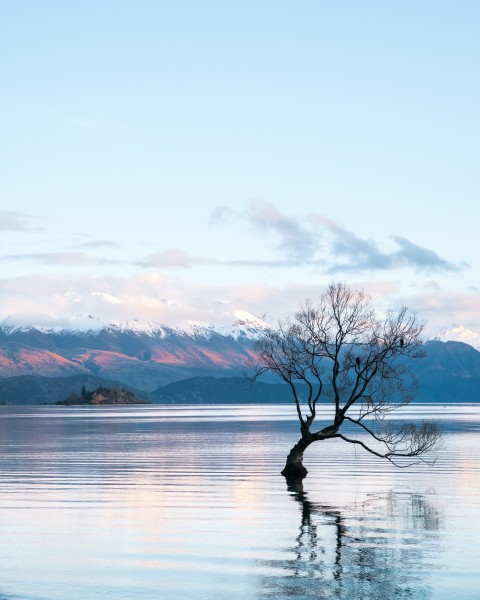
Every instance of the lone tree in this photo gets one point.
(340, 353)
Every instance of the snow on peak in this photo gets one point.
(150, 328)
(245, 325)
(237, 324)
(242, 325)
(459, 333)
(245, 318)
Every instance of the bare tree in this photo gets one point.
(341, 353)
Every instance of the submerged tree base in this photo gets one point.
(294, 472)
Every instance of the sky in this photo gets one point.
(180, 161)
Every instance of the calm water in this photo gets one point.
(187, 503)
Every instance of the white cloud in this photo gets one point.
(17, 221)
(459, 333)
(152, 296)
(65, 259)
(108, 298)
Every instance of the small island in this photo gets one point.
(102, 395)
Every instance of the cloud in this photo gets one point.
(173, 259)
(412, 254)
(66, 259)
(99, 244)
(66, 301)
(445, 309)
(298, 241)
(179, 259)
(352, 253)
(63, 301)
(220, 214)
(16, 221)
(107, 297)
(314, 241)
(459, 333)
(359, 254)
(317, 240)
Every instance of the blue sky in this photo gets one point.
(176, 161)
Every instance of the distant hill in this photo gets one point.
(231, 390)
(144, 359)
(449, 373)
(33, 389)
(166, 365)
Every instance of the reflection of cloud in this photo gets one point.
(16, 221)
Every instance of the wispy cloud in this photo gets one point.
(348, 251)
(352, 253)
(313, 241)
(316, 240)
(67, 259)
(179, 259)
(220, 214)
(172, 259)
(412, 254)
(297, 240)
(17, 221)
(99, 244)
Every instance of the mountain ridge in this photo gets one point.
(145, 363)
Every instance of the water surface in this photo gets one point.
(164, 502)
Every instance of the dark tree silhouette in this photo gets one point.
(343, 354)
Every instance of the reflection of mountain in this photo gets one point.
(186, 362)
(375, 551)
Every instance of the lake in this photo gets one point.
(186, 502)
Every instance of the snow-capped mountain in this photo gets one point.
(144, 355)
(243, 325)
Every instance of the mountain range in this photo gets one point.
(201, 364)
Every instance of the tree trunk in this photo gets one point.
(294, 469)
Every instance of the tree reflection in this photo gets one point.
(379, 549)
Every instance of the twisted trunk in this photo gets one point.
(294, 469)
